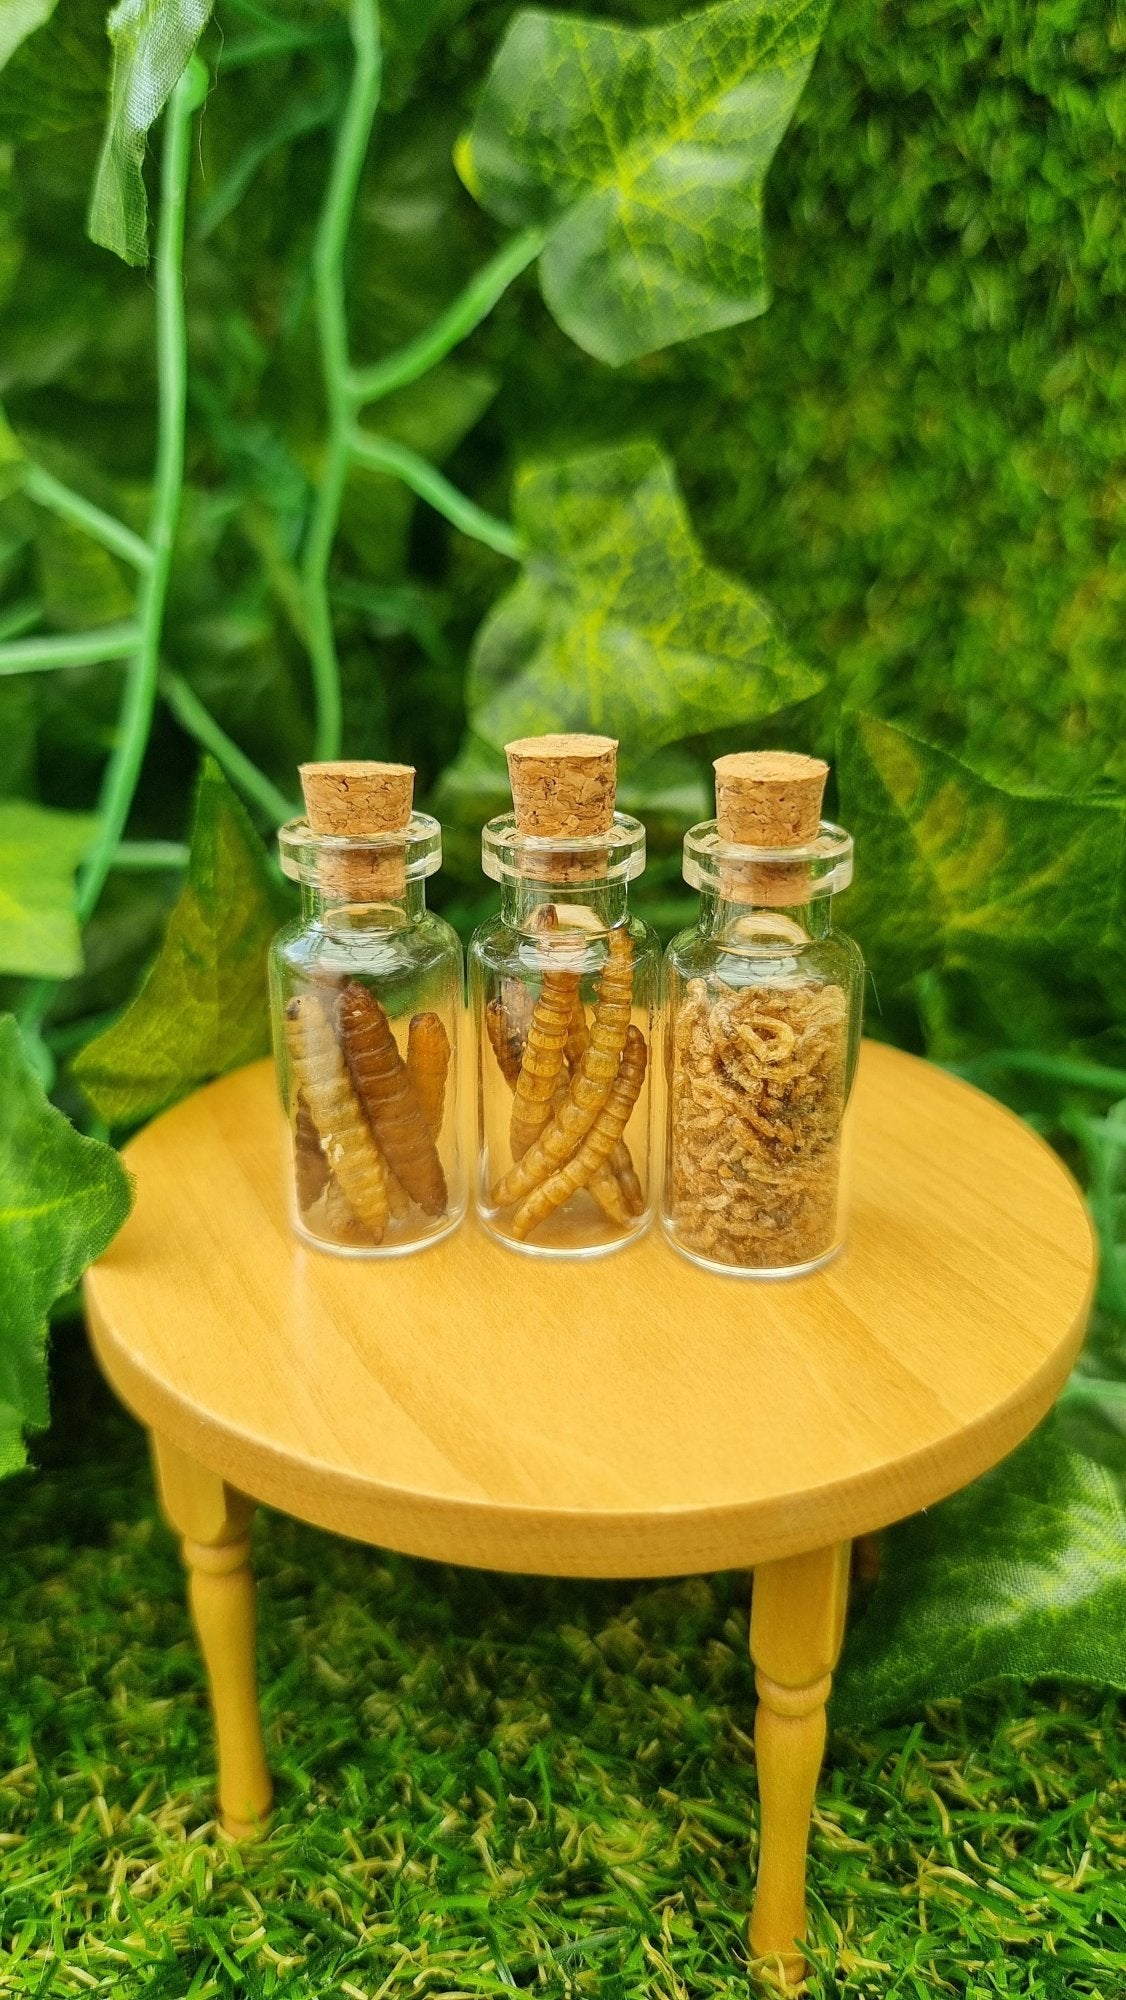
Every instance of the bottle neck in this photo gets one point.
(753, 925)
(589, 906)
(342, 913)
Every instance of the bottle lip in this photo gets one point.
(416, 847)
(820, 867)
(618, 855)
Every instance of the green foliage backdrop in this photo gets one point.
(348, 462)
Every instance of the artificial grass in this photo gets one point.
(488, 1784)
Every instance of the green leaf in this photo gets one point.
(152, 45)
(1019, 1576)
(1092, 1415)
(81, 584)
(619, 622)
(39, 852)
(202, 1009)
(18, 20)
(63, 1199)
(644, 152)
(956, 873)
(54, 79)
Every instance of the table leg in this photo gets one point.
(214, 1522)
(797, 1625)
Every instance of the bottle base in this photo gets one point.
(763, 1273)
(369, 1252)
(563, 1252)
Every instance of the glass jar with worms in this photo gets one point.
(564, 986)
(367, 995)
(764, 1001)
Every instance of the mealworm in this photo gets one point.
(506, 1044)
(596, 1148)
(620, 1165)
(321, 1074)
(542, 1065)
(389, 1098)
(590, 1084)
(428, 1060)
(310, 1168)
(578, 1034)
(605, 1186)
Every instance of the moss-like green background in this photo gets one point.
(918, 453)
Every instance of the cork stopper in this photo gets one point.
(563, 785)
(769, 798)
(357, 800)
(563, 788)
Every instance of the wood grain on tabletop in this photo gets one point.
(627, 1416)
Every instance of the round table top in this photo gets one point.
(628, 1416)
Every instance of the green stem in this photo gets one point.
(70, 506)
(191, 714)
(135, 720)
(332, 329)
(142, 857)
(458, 321)
(70, 649)
(384, 455)
(270, 42)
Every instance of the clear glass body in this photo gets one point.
(564, 987)
(367, 993)
(763, 1016)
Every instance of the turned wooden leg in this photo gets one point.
(797, 1625)
(214, 1522)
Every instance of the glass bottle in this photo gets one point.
(564, 984)
(367, 993)
(763, 1005)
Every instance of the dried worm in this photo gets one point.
(428, 1061)
(389, 1097)
(321, 1075)
(596, 1148)
(629, 1199)
(310, 1168)
(590, 1084)
(506, 1044)
(542, 1066)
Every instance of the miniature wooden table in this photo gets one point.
(632, 1416)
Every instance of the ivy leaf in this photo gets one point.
(1019, 1576)
(64, 1198)
(39, 852)
(18, 20)
(956, 873)
(202, 1009)
(619, 623)
(53, 63)
(152, 44)
(643, 153)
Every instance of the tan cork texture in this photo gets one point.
(769, 798)
(359, 800)
(563, 785)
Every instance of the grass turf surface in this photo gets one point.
(490, 1783)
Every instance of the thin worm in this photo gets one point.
(321, 1075)
(596, 1148)
(590, 1084)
